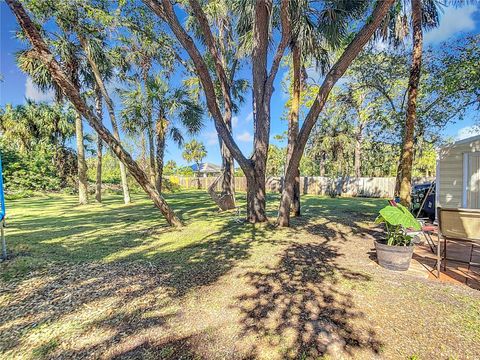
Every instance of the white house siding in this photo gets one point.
(450, 171)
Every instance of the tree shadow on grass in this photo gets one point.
(58, 230)
(125, 304)
(300, 308)
(131, 296)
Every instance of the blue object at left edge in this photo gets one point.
(2, 195)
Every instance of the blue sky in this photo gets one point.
(16, 87)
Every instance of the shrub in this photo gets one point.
(35, 170)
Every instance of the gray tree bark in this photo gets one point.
(81, 163)
(99, 113)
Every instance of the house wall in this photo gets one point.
(450, 172)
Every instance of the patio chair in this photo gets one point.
(459, 225)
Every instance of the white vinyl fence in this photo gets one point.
(318, 185)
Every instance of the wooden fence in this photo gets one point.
(318, 185)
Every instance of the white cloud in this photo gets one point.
(35, 94)
(211, 137)
(249, 117)
(453, 21)
(234, 121)
(245, 137)
(467, 131)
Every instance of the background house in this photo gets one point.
(206, 169)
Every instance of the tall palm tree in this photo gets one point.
(142, 50)
(101, 69)
(29, 63)
(73, 93)
(175, 111)
(406, 159)
(221, 16)
(314, 33)
(99, 113)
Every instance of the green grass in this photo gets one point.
(53, 228)
(43, 350)
(107, 280)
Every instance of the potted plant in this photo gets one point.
(395, 252)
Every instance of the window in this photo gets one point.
(471, 177)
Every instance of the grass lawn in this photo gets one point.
(113, 281)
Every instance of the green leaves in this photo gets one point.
(397, 220)
(398, 215)
(194, 151)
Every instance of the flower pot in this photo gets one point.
(393, 257)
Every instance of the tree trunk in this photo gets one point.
(293, 124)
(335, 73)
(73, 94)
(98, 182)
(398, 178)
(81, 163)
(123, 170)
(143, 151)
(111, 113)
(358, 153)
(151, 152)
(227, 196)
(160, 128)
(256, 202)
(358, 158)
(321, 164)
(407, 152)
(166, 12)
(228, 180)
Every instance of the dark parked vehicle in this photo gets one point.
(418, 194)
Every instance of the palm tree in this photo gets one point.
(61, 78)
(195, 152)
(101, 69)
(220, 15)
(99, 113)
(29, 63)
(142, 50)
(27, 125)
(314, 33)
(406, 159)
(424, 15)
(175, 111)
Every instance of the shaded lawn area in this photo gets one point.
(113, 281)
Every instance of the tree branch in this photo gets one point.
(284, 41)
(339, 68)
(212, 47)
(73, 94)
(165, 12)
